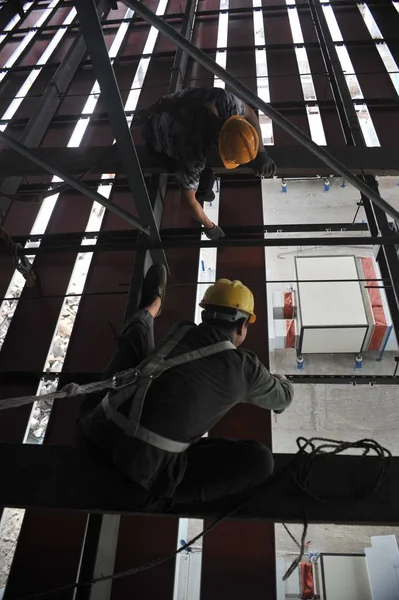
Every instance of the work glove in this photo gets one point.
(263, 165)
(215, 233)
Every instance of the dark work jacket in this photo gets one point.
(186, 401)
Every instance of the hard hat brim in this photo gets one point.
(229, 165)
(251, 316)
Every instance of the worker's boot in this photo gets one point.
(154, 286)
(208, 196)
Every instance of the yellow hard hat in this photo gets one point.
(238, 142)
(231, 294)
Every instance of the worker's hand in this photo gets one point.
(215, 233)
(263, 165)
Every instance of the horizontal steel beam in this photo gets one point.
(252, 99)
(286, 107)
(273, 8)
(367, 43)
(241, 242)
(63, 174)
(344, 379)
(72, 241)
(9, 377)
(291, 161)
(59, 477)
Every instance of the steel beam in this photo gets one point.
(63, 477)
(10, 377)
(67, 242)
(291, 163)
(105, 528)
(239, 242)
(344, 379)
(70, 180)
(158, 182)
(244, 241)
(349, 121)
(47, 108)
(252, 99)
(92, 32)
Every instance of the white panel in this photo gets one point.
(280, 584)
(392, 344)
(279, 334)
(345, 578)
(194, 576)
(383, 582)
(331, 340)
(387, 543)
(324, 303)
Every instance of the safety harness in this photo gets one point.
(124, 405)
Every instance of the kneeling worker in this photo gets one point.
(151, 431)
(183, 128)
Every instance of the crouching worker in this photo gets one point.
(150, 429)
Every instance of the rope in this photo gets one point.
(69, 391)
(301, 469)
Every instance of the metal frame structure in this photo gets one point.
(72, 489)
(168, 234)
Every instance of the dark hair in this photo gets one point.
(230, 326)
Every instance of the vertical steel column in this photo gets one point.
(158, 183)
(342, 97)
(377, 220)
(240, 556)
(92, 32)
(103, 530)
(179, 304)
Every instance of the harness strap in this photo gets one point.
(163, 443)
(153, 368)
(175, 335)
(194, 355)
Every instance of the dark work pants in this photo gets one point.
(207, 178)
(216, 468)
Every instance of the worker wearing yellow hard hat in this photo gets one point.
(181, 130)
(151, 423)
(232, 295)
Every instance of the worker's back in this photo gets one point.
(187, 401)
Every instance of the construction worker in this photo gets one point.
(184, 127)
(151, 426)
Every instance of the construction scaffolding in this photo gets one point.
(73, 75)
